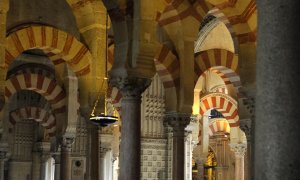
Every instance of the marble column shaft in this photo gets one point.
(43, 167)
(65, 168)
(57, 160)
(178, 121)
(277, 125)
(131, 90)
(239, 152)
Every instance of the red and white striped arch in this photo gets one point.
(58, 45)
(180, 9)
(222, 103)
(40, 115)
(167, 67)
(41, 84)
(115, 97)
(229, 77)
(214, 57)
(220, 89)
(218, 125)
(221, 17)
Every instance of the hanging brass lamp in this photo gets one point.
(102, 119)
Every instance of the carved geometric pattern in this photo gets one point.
(153, 158)
(40, 84)
(214, 57)
(58, 45)
(222, 103)
(153, 109)
(43, 116)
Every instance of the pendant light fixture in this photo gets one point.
(102, 119)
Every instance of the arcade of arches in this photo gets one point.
(180, 75)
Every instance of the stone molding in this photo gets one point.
(239, 149)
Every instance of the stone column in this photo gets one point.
(221, 143)
(44, 149)
(277, 125)
(200, 167)
(188, 155)
(102, 163)
(246, 127)
(65, 168)
(131, 89)
(239, 152)
(178, 121)
(2, 161)
(92, 152)
(43, 164)
(35, 165)
(57, 167)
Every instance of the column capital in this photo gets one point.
(178, 121)
(66, 143)
(103, 151)
(245, 125)
(239, 149)
(130, 86)
(3, 155)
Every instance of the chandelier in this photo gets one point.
(102, 119)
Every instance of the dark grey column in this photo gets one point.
(65, 168)
(2, 161)
(92, 161)
(277, 125)
(131, 90)
(178, 121)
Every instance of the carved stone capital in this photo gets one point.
(178, 121)
(66, 143)
(239, 149)
(103, 151)
(116, 14)
(3, 155)
(245, 125)
(130, 87)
